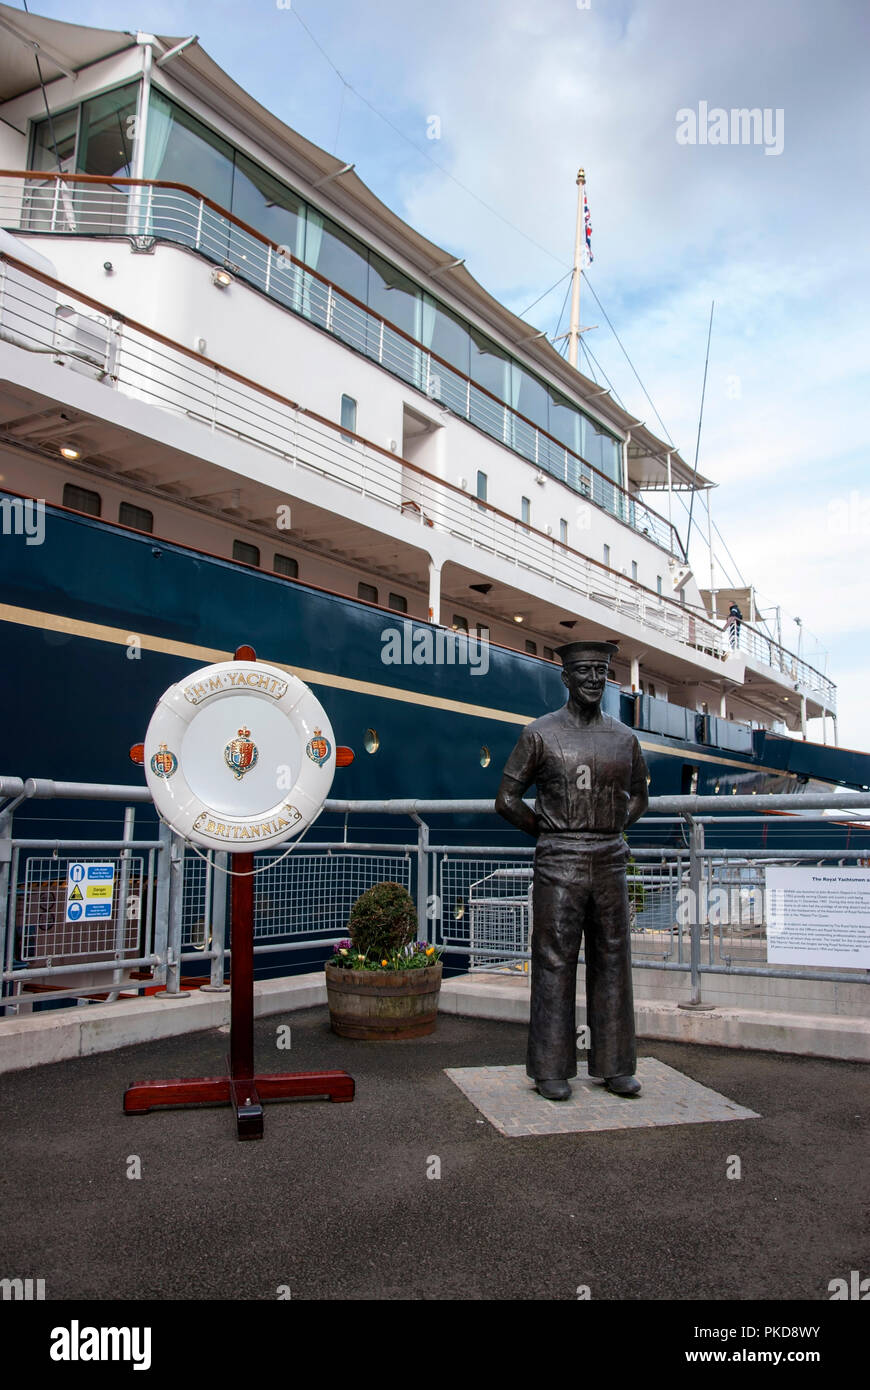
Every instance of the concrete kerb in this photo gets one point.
(54, 1036)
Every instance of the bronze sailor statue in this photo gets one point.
(591, 782)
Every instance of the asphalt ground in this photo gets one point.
(335, 1202)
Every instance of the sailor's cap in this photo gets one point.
(574, 652)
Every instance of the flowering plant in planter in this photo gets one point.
(382, 983)
(415, 956)
(383, 923)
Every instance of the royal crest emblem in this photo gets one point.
(164, 762)
(241, 753)
(318, 748)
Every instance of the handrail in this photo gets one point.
(526, 546)
(703, 624)
(796, 664)
(630, 500)
(518, 542)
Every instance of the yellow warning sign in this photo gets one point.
(76, 894)
(99, 890)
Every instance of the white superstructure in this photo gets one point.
(240, 348)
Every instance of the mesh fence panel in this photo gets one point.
(42, 929)
(197, 901)
(312, 894)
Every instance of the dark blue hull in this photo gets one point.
(79, 608)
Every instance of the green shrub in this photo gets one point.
(382, 920)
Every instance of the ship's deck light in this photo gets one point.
(221, 278)
(68, 452)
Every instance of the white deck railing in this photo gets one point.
(47, 317)
(89, 206)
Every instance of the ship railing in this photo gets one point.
(43, 315)
(743, 637)
(698, 901)
(145, 212)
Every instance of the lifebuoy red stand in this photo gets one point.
(195, 805)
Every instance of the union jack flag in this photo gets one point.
(587, 222)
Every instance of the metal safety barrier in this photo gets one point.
(695, 908)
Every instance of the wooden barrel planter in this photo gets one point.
(383, 1004)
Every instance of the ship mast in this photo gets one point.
(579, 241)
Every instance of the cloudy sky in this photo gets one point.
(525, 91)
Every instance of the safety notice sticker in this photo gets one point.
(89, 890)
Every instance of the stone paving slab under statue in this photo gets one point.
(508, 1099)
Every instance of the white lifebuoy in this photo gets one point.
(239, 756)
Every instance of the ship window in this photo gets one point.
(490, 367)
(564, 421)
(529, 397)
(460, 624)
(607, 555)
(338, 256)
(92, 138)
(81, 499)
(105, 144)
(549, 654)
(652, 689)
(64, 127)
(264, 203)
(138, 517)
(485, 756)
(526, 510)
(563, 530)
(481, 486)
(482, 632)
(246, 554)
(286, 565)
(367, 592)
(395, 297)
(658, 584)
(634, 570)
(448, 336)
(180, 149)
(398, 602)
(531, 647)
(348, 417)
(490, 364)
(371, 742)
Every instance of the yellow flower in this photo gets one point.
(341, 951)
(430, 950)
(383, 962)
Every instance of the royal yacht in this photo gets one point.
(242, 401)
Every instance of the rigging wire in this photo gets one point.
(701, 417)
(51, 135)
(592, 358)
(561, 313)
(544, 296)
(420, 150)
(627, 358)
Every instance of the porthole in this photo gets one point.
(485, 756)
(371, 742)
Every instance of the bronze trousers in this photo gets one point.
(579, 894)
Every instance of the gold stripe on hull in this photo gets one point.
(117, 636)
